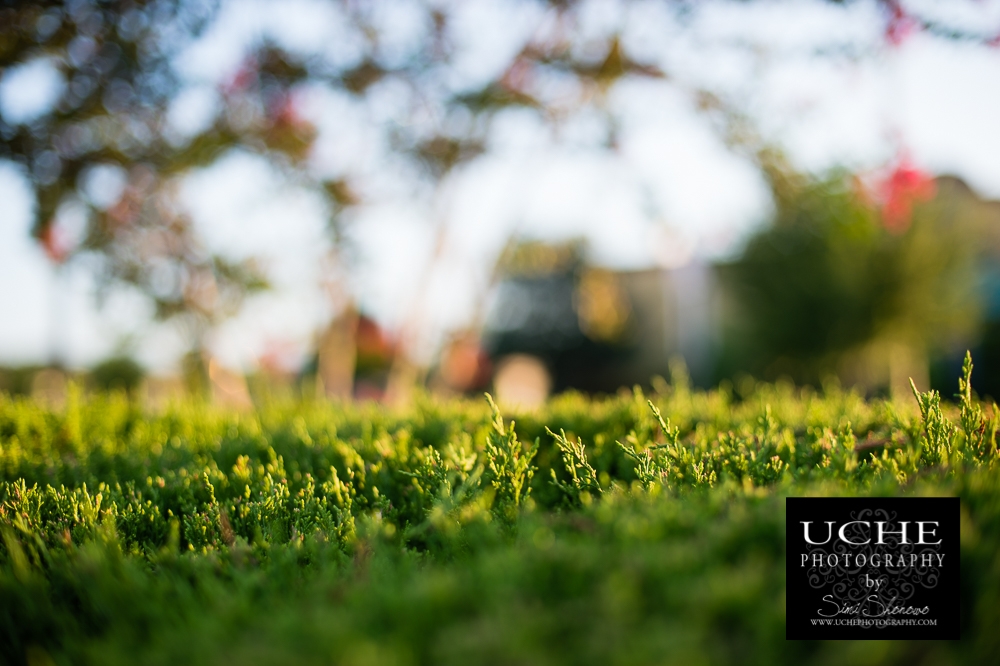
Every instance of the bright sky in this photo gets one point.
(672, 193)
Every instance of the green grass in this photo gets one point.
(626, 530)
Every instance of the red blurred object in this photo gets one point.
(372, 340)
(904, 186)
(288, 113)
(375, 352)
(283, 108)
(55, 244)
(900, 25)
(244, 78)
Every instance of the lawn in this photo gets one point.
(629, 529)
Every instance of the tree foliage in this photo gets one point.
(118, 62)
(847, 273)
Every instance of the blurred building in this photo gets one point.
(554, 322)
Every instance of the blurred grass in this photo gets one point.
(310, 532)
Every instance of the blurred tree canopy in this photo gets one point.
(107, 147)
(861, 280)
(118, 373)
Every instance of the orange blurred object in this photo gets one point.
(465, 365)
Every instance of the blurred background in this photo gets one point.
(360, 199)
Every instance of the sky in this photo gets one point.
(672, 193)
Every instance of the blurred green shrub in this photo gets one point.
(310, 532)
(119, 373)
(846, 282)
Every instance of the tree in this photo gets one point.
(110, 123)
(860, 280)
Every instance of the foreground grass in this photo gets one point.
(604, 531)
